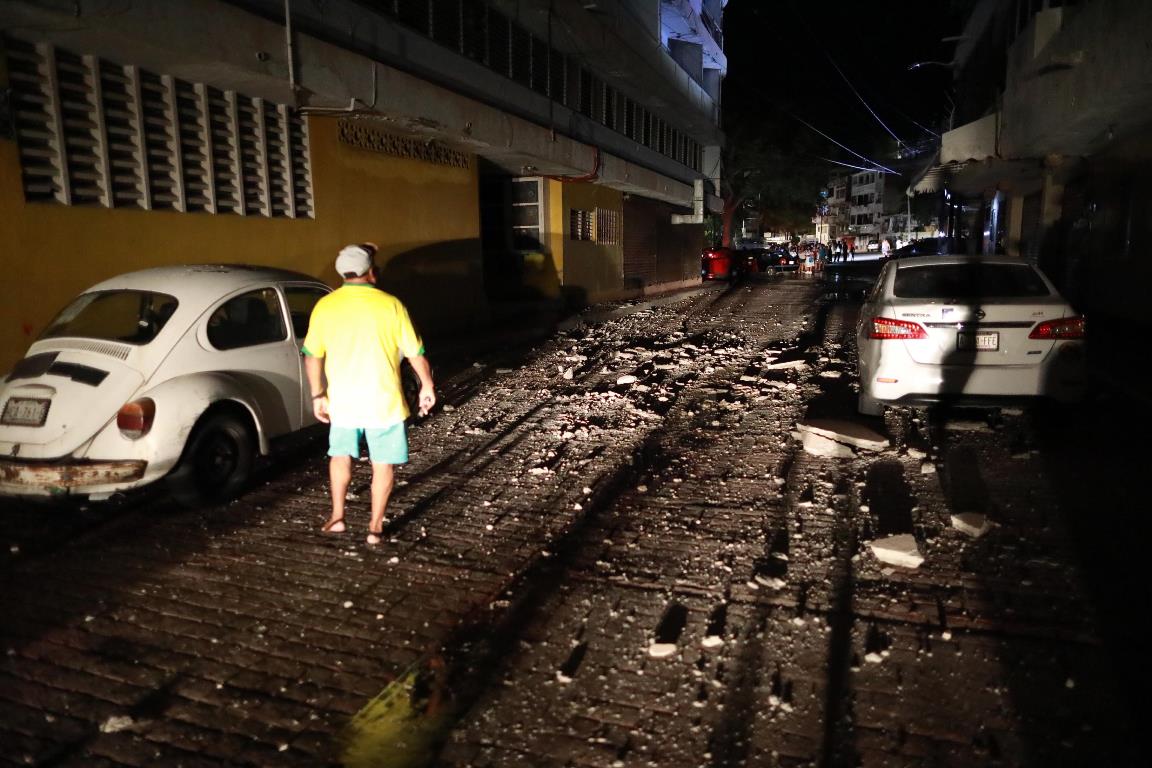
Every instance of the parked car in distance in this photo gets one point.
(968, 331)
(873, 245)
(716, 264)
(929, 246)
(783, 259)
(184, 374)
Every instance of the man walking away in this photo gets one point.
(356, 337)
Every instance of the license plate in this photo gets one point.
(988, 341)
(25, 411)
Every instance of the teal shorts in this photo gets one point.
(385, 446)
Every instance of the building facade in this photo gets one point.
(1051, 150)
(496, 150)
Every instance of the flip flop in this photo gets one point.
(334, 526)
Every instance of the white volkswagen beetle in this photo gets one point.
(184, 373)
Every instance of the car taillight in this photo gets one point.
(135, 418)
(890, 328)
(1063, 328)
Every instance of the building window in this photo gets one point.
(581, 225)
(527, 212)
(92, 132)
(607, 226)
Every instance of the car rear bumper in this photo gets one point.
(923, 385)
(57, 478)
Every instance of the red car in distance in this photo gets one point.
(719, 264)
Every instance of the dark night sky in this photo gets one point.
(782, 59)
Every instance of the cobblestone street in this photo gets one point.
(612, 552)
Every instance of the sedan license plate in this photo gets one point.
(25, 411)
(987, 341)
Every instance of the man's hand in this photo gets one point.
(320, 408)
(427, 400)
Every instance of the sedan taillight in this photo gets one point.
(1063, 328)
(890, 328)
(135, 418)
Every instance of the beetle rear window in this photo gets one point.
(133, 317)
(968, 281)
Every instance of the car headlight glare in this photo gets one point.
(135, 418)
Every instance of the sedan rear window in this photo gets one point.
(978, 280)
(133, 317)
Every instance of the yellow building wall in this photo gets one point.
(588, 271)
(424, 216)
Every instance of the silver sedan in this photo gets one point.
(967, 330)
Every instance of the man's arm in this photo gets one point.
(314, 367)
(427, 390)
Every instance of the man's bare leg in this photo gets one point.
(382, 481)
(339, 476)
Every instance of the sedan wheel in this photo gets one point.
(216, 464)
(869, 406)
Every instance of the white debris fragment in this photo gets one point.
(393, 560)
(661, 650)
(771, 582)
(797, 364)
(831, 374)
(641, 489)
(116, 723)
(712, 641)
(847, 432)
(927, 468)
(1069, 683)
(818, 445)
(567, 374)
(347, 603)
(14, 549)
(626, 379)
(899, 550)
(916, 453)
(873, 658)
(974, 524)
(448, 408)
(967, 425)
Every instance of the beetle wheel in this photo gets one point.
(217, 462)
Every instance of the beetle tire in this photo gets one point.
(216, 464)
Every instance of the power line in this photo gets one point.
(849, 165)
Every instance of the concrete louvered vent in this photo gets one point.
(92, 132)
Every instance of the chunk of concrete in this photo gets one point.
(974, 524)
(848, 432)
(900, 550)
(818, 445)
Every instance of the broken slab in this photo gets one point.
(900, 550)
(818, 445)
(975, 524)
(838, 438)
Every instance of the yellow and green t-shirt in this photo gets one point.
(362, 333)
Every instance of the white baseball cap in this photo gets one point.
(355, 260)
